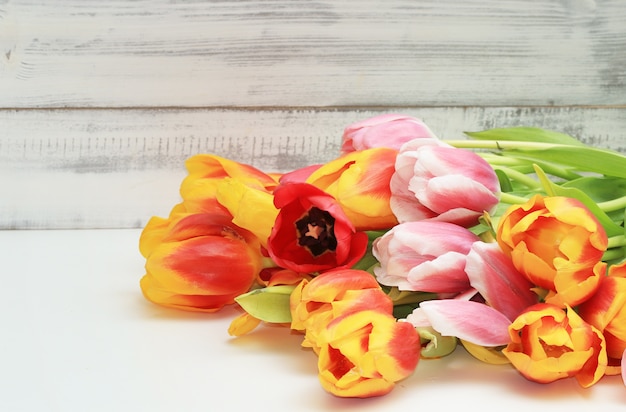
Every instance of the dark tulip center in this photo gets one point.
(316, 231)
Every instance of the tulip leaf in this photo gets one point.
(270, 304)
(503, 179)
(598, 188)
(587, 159)
(552, 189)
(525, 134)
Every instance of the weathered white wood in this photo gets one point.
(116, 168)
(75, 53)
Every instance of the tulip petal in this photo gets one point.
(492, 273)
(468, 320)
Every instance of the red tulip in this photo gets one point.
(311, 232)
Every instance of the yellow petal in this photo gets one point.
(243, 324)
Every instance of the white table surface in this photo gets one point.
(79, 336)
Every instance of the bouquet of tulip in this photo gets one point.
(509, 244)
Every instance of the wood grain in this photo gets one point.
(102, 102)
(115, 168)
(318, 53)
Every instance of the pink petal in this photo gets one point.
(492, 273)
(443, 274)
(468, 320)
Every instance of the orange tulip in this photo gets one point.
(314, 303)
(359, 181)
(364, 353)
(606, 310)
(198, 262)
(550, 343)
(557, 243)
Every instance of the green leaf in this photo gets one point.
(585, 159)
(270, 304)
(525, 134)
(552, 189)
(505, 182)
(598, 188)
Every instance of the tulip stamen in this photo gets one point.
(316, 231)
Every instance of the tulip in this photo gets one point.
(311, 232)
(359, 181)
(200, 263)
(443, 183)
(315, 302)
(216, 184)
(427, 256)
(606, 310)
(557, 243)
(364, 353)
(549, 343)
(472, 321)
(492, 274)
(387, 130)
(206, 171)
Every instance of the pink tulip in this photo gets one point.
(439, 182)
(468, 320)
(492, 274)
(387, 130)
(424, 256)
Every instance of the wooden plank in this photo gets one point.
(287, 53)
(115, 168)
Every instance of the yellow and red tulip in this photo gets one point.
(557, 243)
(315, 302)
(606, 310)
(359, 181)
(199, 262)
(364, 353)
(549, 343)
(214, 183)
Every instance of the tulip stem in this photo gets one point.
(512, 199)
(519, 177)
(616, 241)
(613, 254)
(615, 204)
(500, 145)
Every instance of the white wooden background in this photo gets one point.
(101, 102)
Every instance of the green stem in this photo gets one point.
(613, 254)
(500, 145)
(616, 241)
(519, 177)
(499, 160)
(512, 199)
(615, 204)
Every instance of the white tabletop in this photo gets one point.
(79, 336)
